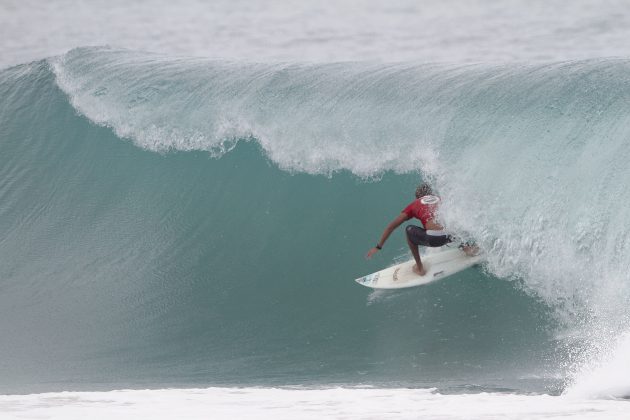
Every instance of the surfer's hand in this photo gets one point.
(371, 252)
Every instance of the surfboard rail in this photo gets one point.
(438, 265)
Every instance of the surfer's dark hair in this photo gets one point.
(423, 189)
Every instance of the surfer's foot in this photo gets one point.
(471, 251)
(420, 271)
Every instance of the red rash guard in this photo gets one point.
(423, 208)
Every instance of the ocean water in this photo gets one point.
(187, 193)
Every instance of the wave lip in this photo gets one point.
(307, 118)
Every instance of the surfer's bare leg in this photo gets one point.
(418, 268)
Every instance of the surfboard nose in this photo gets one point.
(369, 280)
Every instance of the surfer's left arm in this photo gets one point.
(402, 217)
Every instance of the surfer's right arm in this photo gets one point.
(402, 217)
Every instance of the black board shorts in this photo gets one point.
(419, 236)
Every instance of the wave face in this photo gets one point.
(185, 221)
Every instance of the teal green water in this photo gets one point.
(121, 266)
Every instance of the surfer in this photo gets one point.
(432, 234)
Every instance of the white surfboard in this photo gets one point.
(438, 265)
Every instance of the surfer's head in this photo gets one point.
(423, 189)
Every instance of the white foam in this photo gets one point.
(291, 404)
(604, 375)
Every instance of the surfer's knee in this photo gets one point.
(416, 235)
